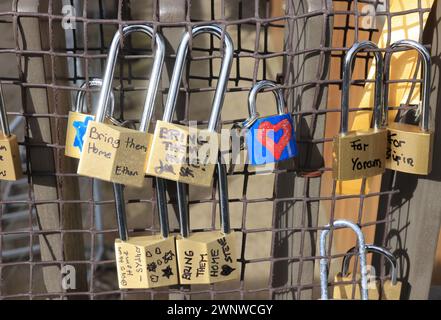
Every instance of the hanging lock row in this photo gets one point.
(401, 147)
(164, 260)
(121, 155)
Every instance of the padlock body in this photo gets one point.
(146, 262)
(76, 130)
(207, 257)
(387, 289)
(409, 149)
(115, 154)
(10, 164)
(271, 139)
(180, 154)
(359, 154)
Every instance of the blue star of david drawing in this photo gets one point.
(80, 128)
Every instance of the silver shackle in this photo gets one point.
(361, 252)
(426, 62)
(347, 74)
(4, 124)
(252, 97)
(93, 83)
(216, 104)
(154, 78)
(373, 249)
(178, 70)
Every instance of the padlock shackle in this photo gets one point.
(338, 224)
(154, 77)
(252, 97)
(370, 248)
(348, 64)
(4, 124)
(120, 207)
(93, 83)
(178, 70)
(121, 218)
(426, 62)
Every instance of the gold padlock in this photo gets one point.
(377, 290)
(359, 154)
(10, 164)
(410, 146)
(146, 261)
(114, 153)
(209, 257)
(78, 121)
(178, 153)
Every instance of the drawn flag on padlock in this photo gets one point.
(271, 139)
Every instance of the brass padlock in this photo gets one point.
(78, 121)
(178, 153)
(377, 290)
(209, 257)
(338, 224)
(359, 154)
(410, 146)
(114, 153)
(10, 163)
(145, 261)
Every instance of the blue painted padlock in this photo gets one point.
(269, 139)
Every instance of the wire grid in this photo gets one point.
(108, 19)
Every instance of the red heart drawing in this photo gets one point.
(275, 148)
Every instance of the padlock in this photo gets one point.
(10, 163)
(409, 146)
(269, 139)
(209, 257)
(144, 261)
(114, 153)
(324, 260)
(360, 154)
(178, 153)
(78, 120)
(386, 290)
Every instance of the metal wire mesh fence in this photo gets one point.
(55, 223)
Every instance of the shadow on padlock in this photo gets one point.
(410, 146)
(377, 290)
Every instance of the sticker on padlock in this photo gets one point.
(410, 146)
(269, 139)
(209, 257)
(10, 163)
(78, 121)
(146, 261)
(377, 290)
(114, 153)
(338, 224)
(360, 154)
(179, 153)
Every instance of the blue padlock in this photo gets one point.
(269, 139)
